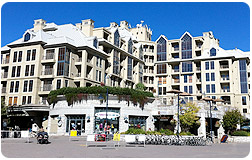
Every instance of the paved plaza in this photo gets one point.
(61, 147)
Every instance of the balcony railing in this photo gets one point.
(225, 78)
(3, 89)
(47, 72)
(48, 56)
(198, 68)
(224, 66)
(47, 87)
(225, 90)
(175, 70)
(4, 75)
(79, 60)
(198, 80)
(5, 61)
(175, 80)
(78, 75)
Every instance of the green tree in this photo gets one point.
(231, 119)
(140, 86)
(189, 118)
(3, 107)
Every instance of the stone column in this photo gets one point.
(202, 128)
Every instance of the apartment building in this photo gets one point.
(200, 67)
(50, 56)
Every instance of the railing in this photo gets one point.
(198, 68)
(225, 90)
(48, 56)
(3, 89)
(78, 75)
(225, 78)
(5, 61)
(176, 49)
(47, 72)
(89, 60)
(47, 87)
(175, 70)
(198, 80)
(79, 60)
(224, 66)
(198, 92)
(4, 75)
(175, 80)
(88, 76)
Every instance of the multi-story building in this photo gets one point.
(50, 56)
(200, 67)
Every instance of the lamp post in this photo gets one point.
(181, 94)
(207, 99)
(107, 77)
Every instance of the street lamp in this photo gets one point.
(207, 99)
(181, 94)
(107, 77)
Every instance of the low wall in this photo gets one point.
(239, 139)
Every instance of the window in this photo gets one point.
(58, 84)
(185, 78)
(10, 101)
(24, 100)
(161, 49)
(18, 71)
(159, 90)
(191, 99)
(60, 70)
(161, 69)
(190, 78)
(129, 68)
(13, 71)
(15, 57)
(164, 90)
(244, 101)
(213, 52)
(33, 54)
(17, 86)
(27, 70)
(20, 56)
(207, 65)
(97, 61)
(95, 44)
(190, 89)
(15, 101)
(130, 44)
(27, 37)
(164, 80)
(159, 80)
(187, 67)
(61, 55)
(243, 76)
(212, 64)
(100, 62)
(185, 89)
(207, 77)
(245, 110)
(29, 99)
(207, 88)
(212, 76)
(99, 76)
(116, 61)
(116, 38)
(186, 44)
(28, 56)
(213, 88)
(30, 85)
(66, 83)
(11, 86)
(32, 70)
(96, 75)
(25, 86)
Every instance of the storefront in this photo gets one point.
(163, 122)
(113, 115)
(75, 122)
(138, 122)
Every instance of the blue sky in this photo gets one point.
(229, 21)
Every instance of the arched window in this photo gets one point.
(186, 43)
(27, 37)
(116, 38)
(213, 52)
(161, 49)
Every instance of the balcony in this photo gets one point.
(78, 61)
(47, 73)
(5, 61)
(175, 49)
(176, 71)
(48, 58)
(225, 90)
(45, 89)
(175, 81)
(224, 67)
(198, 80)
(224, 79)
(198, 68)
(4, 75)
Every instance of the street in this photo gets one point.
(61, 147)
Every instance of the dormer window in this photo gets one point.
(213, 52)
(27, 37)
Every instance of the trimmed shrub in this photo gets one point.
(240, 133)
(185, 134)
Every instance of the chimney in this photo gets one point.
(113, 24)
(87, 27)
(39, 24)
(124, 24)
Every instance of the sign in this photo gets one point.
(110, 115)
(116, 137)
(162, 112)
(73, 133)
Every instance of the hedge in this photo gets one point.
(240, 133)
(74, 94)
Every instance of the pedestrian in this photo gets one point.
(112, 128)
